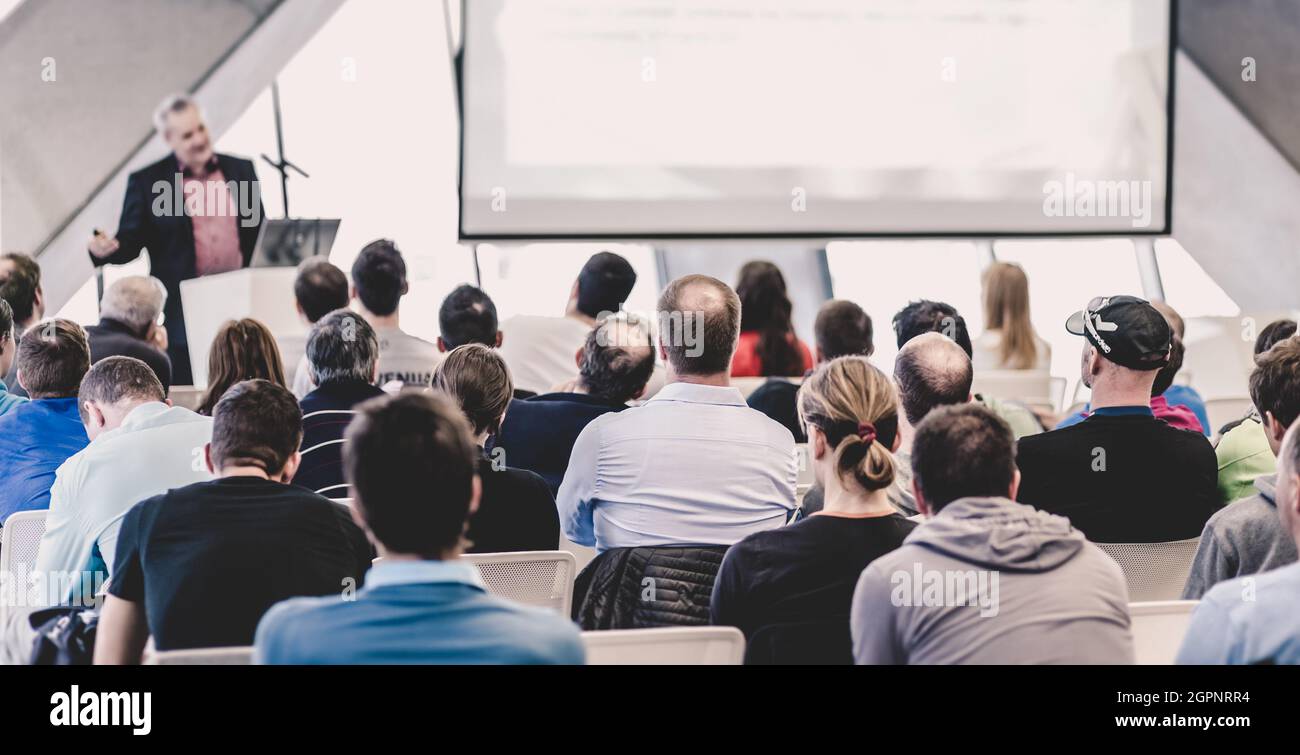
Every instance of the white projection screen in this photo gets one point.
(815, 118)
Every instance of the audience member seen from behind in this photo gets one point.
(1008, 341)
(768, 345)
(38, 435)
(805, 573)
(129, 325)
(638, 477)
(20, 285)
(1247, 537)
(1244, 451)
(468, 315)
(540, 350)
(8, 358)
(411, 462)
(197, 566)
(613, 368)
(1175, 416)
(986, 580)
(1181, 394)
(925, 316)
(1255, 620)
(242, 350)
(318, 289)
(139, 447)
(1121, 475)
(379, 283)
(517, 511)
(841, 329)
(343, 358)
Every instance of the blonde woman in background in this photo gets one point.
(1008, 341)
(800, 578)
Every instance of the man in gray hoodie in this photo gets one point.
(1247, 537)
(986, 580)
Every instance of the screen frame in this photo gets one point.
(458, 60)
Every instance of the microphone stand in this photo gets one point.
(282, 165)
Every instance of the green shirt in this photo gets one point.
(1243, 455)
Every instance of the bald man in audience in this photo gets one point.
(692, 466)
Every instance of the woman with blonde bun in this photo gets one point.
(797, 581)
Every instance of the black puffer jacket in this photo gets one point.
(637, 588)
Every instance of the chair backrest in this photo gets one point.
(1021, 385)
(1154, 571)
(536, 578)
(20, 540)
(1221, 411)
(676, 646)
(229, 656)
(1158, 629)
(747, 385)
(187, 396)
(803, 462)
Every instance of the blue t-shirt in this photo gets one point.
(1249, 620)
(416, 612)
(35, 438)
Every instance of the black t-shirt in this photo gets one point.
(1122, 478)
(515, 513)
(207, 560)
(804, 572)
(778, 398)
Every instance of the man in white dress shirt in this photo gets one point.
(692, 466)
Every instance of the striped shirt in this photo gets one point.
(326, 413)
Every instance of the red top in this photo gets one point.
(747, 364)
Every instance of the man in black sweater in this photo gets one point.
(128, 325)
(1122, 476)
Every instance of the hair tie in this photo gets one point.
(867, 432)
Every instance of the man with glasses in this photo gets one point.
(1122, 475)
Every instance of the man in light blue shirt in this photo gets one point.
(694, 465)
(412, 462)
(1255, 619)
(139, 447)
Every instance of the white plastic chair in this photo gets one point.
(675, 646)
(1158, 629)
(187, 396)
(1221, 411)
(1154, 571)
(20, 541)
(536, 578)
(228, 656)
(1029, 386)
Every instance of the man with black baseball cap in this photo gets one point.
(1121, 476)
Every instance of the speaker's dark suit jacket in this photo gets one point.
(169, 237)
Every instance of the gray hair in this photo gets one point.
(135, 300)
(342, 345)
(172, 103)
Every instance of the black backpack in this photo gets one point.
(65, 636)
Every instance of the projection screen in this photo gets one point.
(705, 118)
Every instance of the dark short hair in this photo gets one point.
(962, 451)
(1165, 377)
(925, 316)
(320, 288)
(6, 321)
(342, 346)
(379, 276)
(19, 286)
(114, 379)
(411, 463)
(843, 329)
(1272, 333)
(922, 386)
(720, 323)
(610, 370)
(468, 315)
(256, 424)
(1275, 381)
(604, 283)
(476, 377)
(53, 357)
